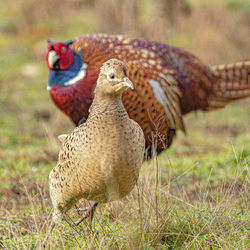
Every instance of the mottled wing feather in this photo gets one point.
(66, 171)
(154, 103)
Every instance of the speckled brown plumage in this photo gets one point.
(100, 160)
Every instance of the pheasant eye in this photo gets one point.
(110, 76)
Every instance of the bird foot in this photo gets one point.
(89, 213)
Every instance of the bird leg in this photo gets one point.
(77, 209)
(90, 213)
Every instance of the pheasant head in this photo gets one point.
(66, 66)
(70, 76)
(113, 78)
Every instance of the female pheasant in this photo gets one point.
(169, 82)
(101, 159)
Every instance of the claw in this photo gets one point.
(90, 213)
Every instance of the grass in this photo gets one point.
(193, 196)
(168, 209)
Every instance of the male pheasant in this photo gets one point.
(169, 82)
(101, 159)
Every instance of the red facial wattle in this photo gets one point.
(65, 55)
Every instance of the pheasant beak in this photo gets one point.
(126, 82)
(52, 58)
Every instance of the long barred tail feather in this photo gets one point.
(233, 83)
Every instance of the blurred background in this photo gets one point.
(215, 31)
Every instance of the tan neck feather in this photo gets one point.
(108, 105)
